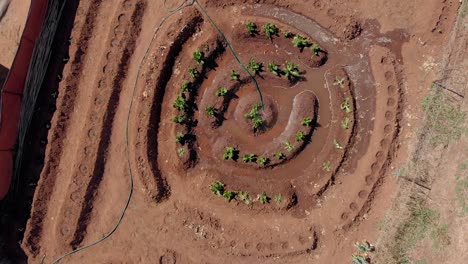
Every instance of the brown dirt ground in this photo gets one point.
(384, 50)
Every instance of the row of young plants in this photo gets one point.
(270, 30)
(219, 188)
(362, 256)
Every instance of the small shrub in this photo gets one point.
(210, 110)
(316, 49)
(262, 160)
(306, 121)
(279, 155)
(339, 82)
(181, 152)
(180, 103)
(185, 87)
(301, 42)
(364, 246)
(291, 71)
(345, 123)
(287, 34)
(248, 158)
(288, 146)
(251, 28)
(277, 199)
(270, 30)
(255, 117)
(198, 56)
(179, 119)
(244, 197)
(217, 187)
(326, 166)
(273, 68)
(263, 198)
(235, 75)
(222, 91)
(346, 105)
(180, 137)
(193, 73)
(254, 67)
(300, 136)
(359, 259)
(229, 195)
(337, 145)
(230, 153)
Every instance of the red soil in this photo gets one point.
(328, 190)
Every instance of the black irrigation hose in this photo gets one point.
(171, 11)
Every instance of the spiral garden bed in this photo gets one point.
(268, 156)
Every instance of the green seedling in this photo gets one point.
(198, 56)
(300, 136)
(255, 117)
(287, 34)
(279, 155)
(345, 123)
(185, 87)
(210, 110)
(339, 82)
(229, 195)
(270, 30)
(262, 161)
(235, 75)
(244, 197)
(222, 91)
(179, 119)
(263, 198)
(257, 123)
(277, 199)
(337, 145)
(181, 152)
(316, 49)
(306, 121)
(254, 67)
(193, 72)
(180, 103)
(288, 146)
(359, 259)
(364, 246)
(251, 28)
(273, 68)
(230, 153)
(217, 187)
(248, 158)
(326, 166)
(180, 137)
(346, 106)
(291, 71)
(301, 42)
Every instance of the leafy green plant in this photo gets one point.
(222, 91)
(248, 158)
(273, 68)
(364, 246)
(287, 34)
(257, 123)
(185, 87)
(254, 67)
(346, 105)
(180, 103)
(181, 152)
(193, 72)
(198, 56)
(179, 119)
(262, 160)
(235, 75)
(217, 187)
(244, 197)
(316, 49)
(306, 121)
(230, 153)
(345, 123)
(327, 166)
(180, 137)
(210, 110)
(263, 198)
(270, 30)
(229, 195)
(359, 259)
(255, 117)
(251, 28)
(279, 155)
(300, 136)
(288, 146)
(291, 71)
(339, 82)
(277, 199)
(337, 145)
(301, 42)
